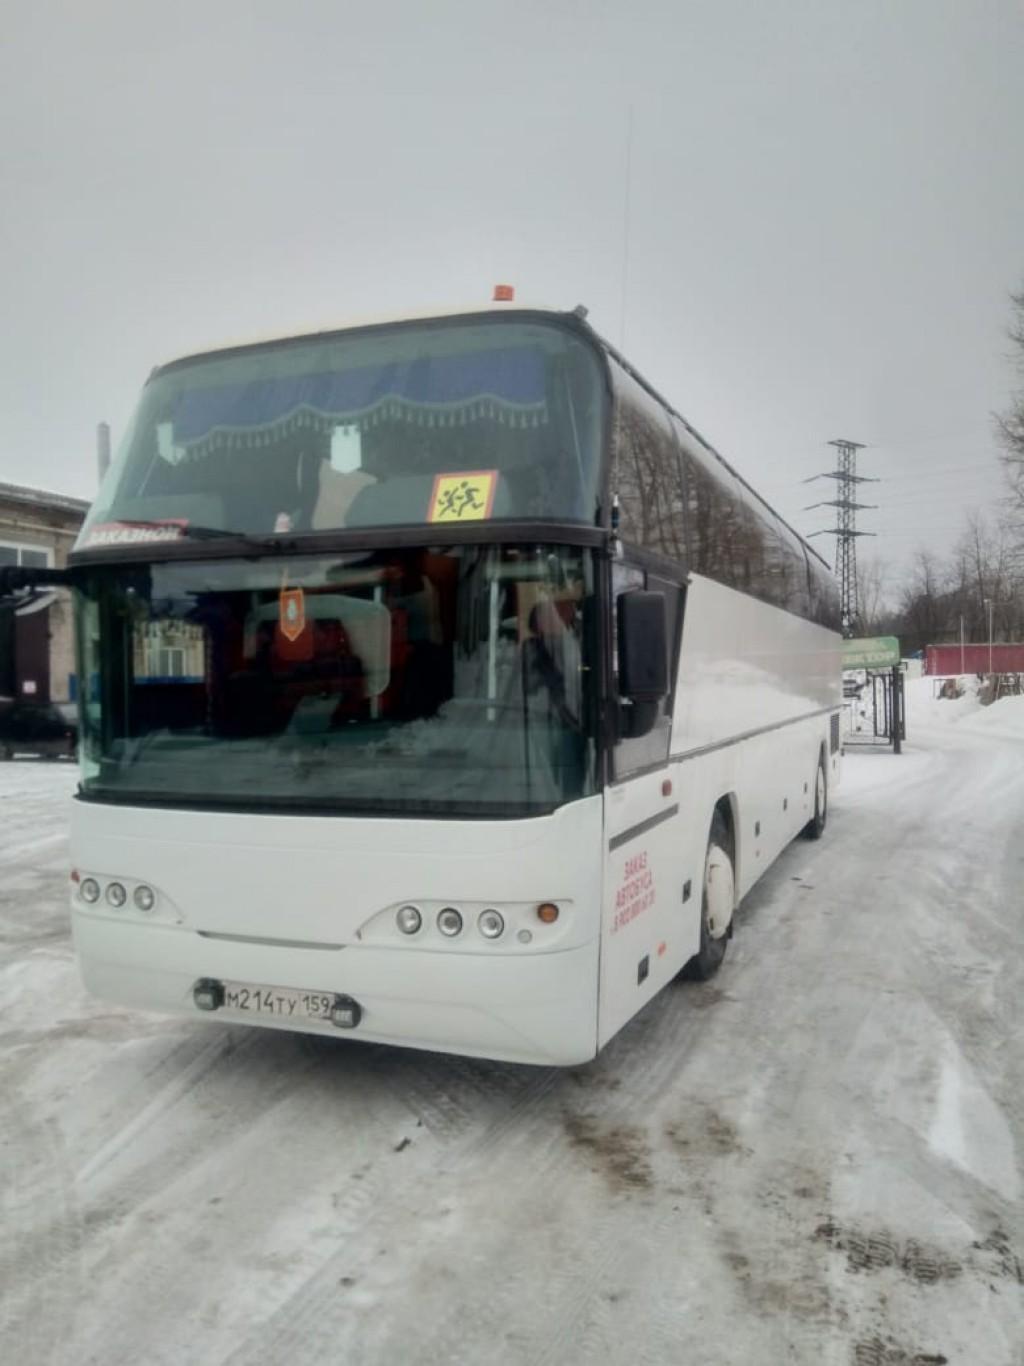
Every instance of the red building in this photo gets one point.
(943, 661)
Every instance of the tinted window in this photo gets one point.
(444, 422)
(646, 472)
(425, 681)
(735, 539)
(679, 499)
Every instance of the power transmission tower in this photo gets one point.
(845, 531)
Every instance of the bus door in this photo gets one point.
(645, 927)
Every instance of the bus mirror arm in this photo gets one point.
(16, 579)
(642, 660)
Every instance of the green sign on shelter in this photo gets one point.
(871, 652)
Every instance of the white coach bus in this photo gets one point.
(440, 686)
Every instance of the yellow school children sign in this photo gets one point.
(464, 497)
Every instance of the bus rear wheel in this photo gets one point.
(717, 902)
(815, 827)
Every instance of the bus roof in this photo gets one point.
(370, 320)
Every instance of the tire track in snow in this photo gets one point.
(916, 976)
(40, 1237)
(527, 1134)
(204, 1101)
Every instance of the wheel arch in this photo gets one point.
(815, 827)
(727, 807)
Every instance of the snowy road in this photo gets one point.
(817, 1158)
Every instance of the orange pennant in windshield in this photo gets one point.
(292, 613)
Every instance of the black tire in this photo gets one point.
(714, 939)
(815, 827)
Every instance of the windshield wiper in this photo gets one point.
(206, 533)
(267, 540)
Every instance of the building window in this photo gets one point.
(27, 556)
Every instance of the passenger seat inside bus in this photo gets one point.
(336, 494)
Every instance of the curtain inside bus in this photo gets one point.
(450, 421)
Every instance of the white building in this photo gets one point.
(37, 658)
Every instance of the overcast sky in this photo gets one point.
(814, 234)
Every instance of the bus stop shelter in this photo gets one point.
(873, 693)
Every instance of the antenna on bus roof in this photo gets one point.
(625, 227)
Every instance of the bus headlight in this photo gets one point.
(144, 898)
(116, 895)
(90, 891)
(409, 919)
(449, 922)
(491, 925)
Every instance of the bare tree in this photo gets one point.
(986, 577)
(924, 602)
(873, 591)
(1011, 423)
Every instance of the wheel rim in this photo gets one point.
(719, 889)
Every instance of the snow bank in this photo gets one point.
(1004, 718)
(925, 708)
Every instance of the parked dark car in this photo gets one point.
(40, 728)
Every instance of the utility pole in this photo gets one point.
(845, 531)
(102, 449)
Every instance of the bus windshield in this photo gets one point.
(433, 681)
(414, 423)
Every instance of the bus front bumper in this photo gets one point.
(515, 1007)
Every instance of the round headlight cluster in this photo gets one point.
(116, 894)
(450, 922)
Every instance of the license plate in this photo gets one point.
(284, 1003)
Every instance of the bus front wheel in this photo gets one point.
(717, 902)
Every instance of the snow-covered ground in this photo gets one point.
(816, 1158)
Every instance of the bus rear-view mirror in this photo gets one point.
(642, 658)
